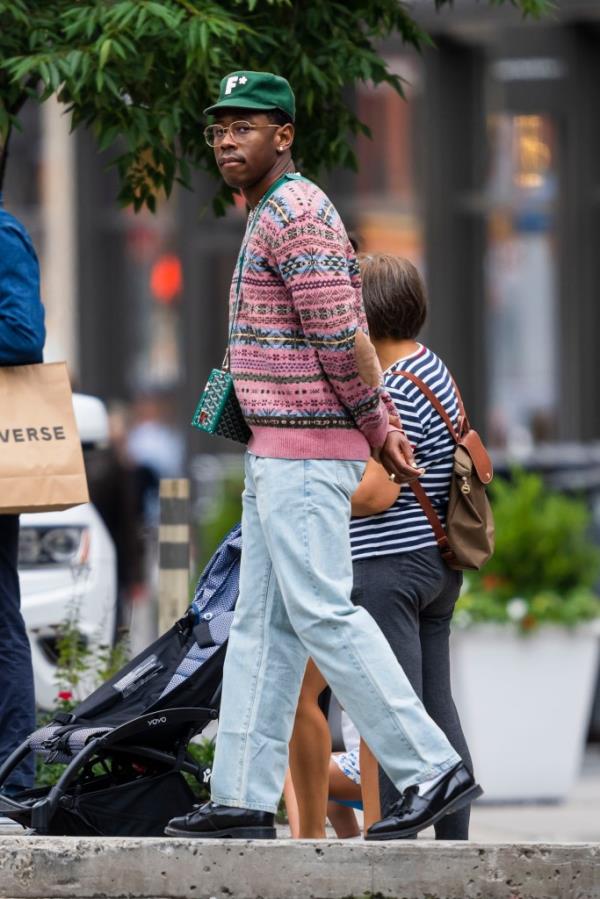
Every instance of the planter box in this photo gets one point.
(524, 703)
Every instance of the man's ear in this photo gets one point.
(285, 137)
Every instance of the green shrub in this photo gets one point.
(545, 565)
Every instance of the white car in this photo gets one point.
(68, 570)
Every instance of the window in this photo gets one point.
(521, 281)
(387, 212)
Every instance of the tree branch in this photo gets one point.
(189, 6)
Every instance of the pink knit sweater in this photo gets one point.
(293, 357)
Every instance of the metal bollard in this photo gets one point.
(174, 551)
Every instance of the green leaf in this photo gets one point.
(162, 13)
(107, 136)
(105, 52)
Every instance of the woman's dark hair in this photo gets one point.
(394, 297)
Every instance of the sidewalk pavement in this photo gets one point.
(577, 820)
(100, 868)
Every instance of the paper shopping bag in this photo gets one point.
(41, 461)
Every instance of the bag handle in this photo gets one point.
(252, 220)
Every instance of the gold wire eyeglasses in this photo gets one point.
(240, 131)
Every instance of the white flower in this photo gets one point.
(517, 608)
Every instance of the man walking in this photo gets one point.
(306, 379)
(22, 335)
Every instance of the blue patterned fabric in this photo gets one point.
(214, 600)
(45, 742)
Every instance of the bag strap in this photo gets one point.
(463, 422)
(456, 434)
(434, 520)
(252, 220)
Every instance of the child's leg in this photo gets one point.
(310, 751)
(291, 805)
(343, 785)
(343, 820)
(369, 784)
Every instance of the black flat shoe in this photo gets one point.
(211, 821)
(413, 813)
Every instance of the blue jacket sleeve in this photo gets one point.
(22, 330)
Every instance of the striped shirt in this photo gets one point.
(403, 527)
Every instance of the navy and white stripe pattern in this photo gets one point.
(404, 527)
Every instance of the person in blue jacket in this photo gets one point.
(22, 335)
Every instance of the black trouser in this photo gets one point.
(411, 596)
(17, 703)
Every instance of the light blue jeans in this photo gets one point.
(295, 584)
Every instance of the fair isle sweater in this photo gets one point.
(292, 348)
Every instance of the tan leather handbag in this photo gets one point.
(467, 542)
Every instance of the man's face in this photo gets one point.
(244, 161)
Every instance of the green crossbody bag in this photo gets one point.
(219, 411)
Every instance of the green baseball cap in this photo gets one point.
(255, 90)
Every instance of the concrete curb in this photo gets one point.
(88, 868)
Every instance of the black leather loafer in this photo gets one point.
(413, 813)
(212, 821)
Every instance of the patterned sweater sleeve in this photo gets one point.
(312, 261)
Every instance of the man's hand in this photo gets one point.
(397, 457)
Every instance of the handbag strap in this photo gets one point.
(463, 422)
(456, 434)
(252, 220)
(434, 520)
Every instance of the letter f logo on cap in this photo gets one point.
(233, 81)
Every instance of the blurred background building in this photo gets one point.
(487, 175)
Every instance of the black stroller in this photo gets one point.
(126, 745)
